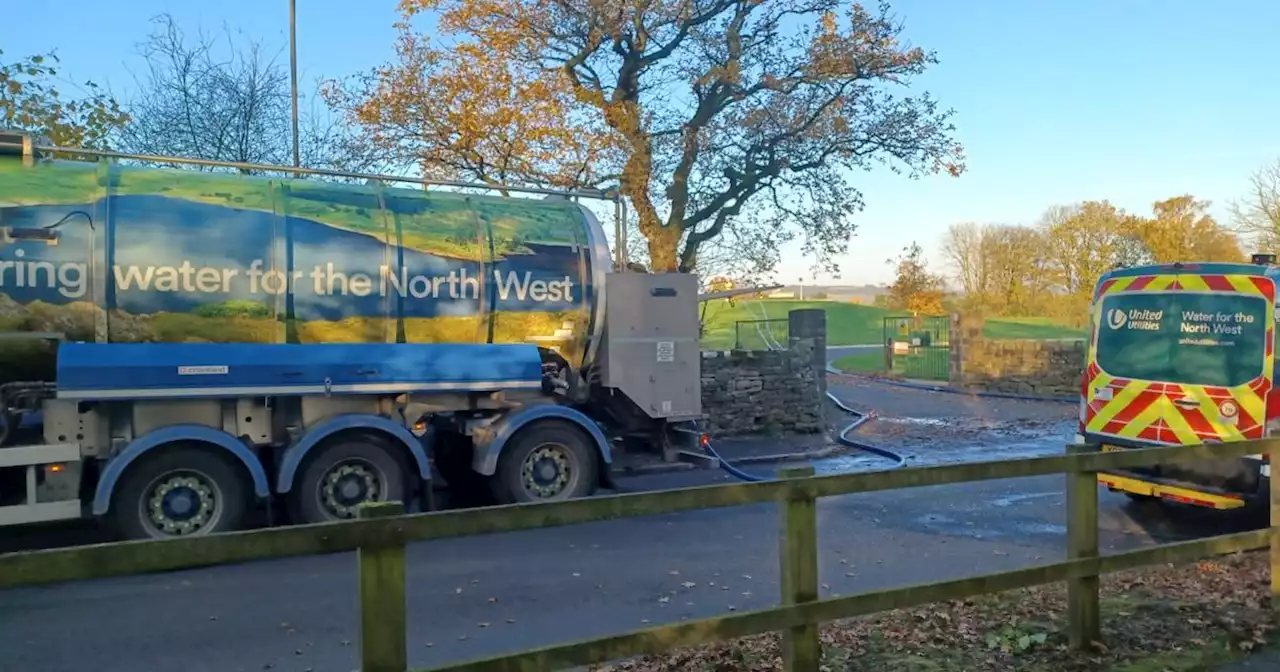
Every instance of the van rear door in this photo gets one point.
(1181, 358)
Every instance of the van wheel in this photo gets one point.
(179, 492)
(547, 461)
(340, 476)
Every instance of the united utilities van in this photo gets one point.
(1183, 354)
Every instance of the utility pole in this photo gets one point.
(293, 73)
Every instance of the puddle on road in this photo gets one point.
(950, 526)
(1007, 443)
(1042, 528)
(936, 422)
(1016, 499)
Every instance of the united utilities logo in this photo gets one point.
(1136, 318)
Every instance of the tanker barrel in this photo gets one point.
(133, 258)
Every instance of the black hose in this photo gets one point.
(842, 438)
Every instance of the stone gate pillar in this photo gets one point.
(810, 324)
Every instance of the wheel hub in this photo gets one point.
(181, 504)
(546, 471)
(346, 486)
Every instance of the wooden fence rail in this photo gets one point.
(381, 532)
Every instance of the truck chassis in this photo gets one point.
(168, 439)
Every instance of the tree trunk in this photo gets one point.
(664, 248)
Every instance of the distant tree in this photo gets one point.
(963, 248)
(1257, 215)
(33, 99)
(1000, 268)
(915, 288)
(1084, 241)
(1182, 230)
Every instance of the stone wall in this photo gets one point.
(1030, 367)
(763, 391)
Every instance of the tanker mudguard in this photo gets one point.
(317, 433)
(487, 450)
(100, 371)
(167, 436)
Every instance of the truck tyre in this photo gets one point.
(183, 491)
(547, 461)
(343, 474)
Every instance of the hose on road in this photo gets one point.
(842, 438)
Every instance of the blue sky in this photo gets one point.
(1057, 102)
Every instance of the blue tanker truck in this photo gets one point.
(180, 348)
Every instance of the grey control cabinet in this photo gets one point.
(651, 351)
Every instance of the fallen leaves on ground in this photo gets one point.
(1154, 619)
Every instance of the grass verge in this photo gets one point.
(1180, 618)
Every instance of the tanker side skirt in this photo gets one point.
(168, 370)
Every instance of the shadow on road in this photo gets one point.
(1167, 522)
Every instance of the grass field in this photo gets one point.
(848, 324)
(862, 362)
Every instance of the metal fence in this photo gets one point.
(379, 539)
(918, 347)
(771, 334)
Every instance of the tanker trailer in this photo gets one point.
(192, 343)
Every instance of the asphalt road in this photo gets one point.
(485, 595)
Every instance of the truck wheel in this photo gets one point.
(547, 461)
(340, 476)
(180, 492)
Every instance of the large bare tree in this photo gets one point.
(227, 99)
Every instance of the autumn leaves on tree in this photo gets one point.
(709, 116)
(32, 98)
(915, 288)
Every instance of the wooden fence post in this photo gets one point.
(1083, 614)
(801, 651)
(382, 598)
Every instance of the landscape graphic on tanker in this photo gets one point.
(99, 251)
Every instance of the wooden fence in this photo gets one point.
(379, 538)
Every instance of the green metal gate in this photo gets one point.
(918, 347)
